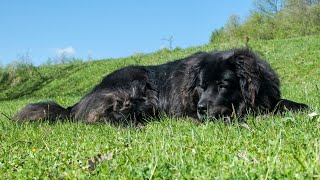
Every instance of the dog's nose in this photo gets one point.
(202, 108)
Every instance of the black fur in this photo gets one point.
(204, 85)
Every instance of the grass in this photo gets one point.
(268, 147)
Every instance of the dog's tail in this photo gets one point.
(50, 111)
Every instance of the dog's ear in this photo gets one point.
(246, 68)
(192, 71)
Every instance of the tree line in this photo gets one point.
(273, 19)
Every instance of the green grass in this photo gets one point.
(271, 146)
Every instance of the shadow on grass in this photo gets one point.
(28, 86)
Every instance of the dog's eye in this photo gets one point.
(222, 86)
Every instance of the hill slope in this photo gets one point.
(296, 61)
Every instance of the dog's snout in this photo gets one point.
(202, 108)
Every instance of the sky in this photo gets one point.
(99, 29)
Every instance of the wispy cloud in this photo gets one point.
(67, 51)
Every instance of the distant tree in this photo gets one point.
(270, 7)
(232, 27)
(272, 19)
(259, 26)
(233, 23)
(302, 15)
(314, 15)
(24, 59)
(63, 58)
(217, 35)
(49, 61)
(23, 64)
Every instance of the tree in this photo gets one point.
(273, 19)
(259, 26)
(232, 27)
(233, 23)
(217, 35)
(269, 7)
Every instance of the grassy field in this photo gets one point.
(267, 147)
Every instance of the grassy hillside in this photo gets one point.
(268, 146)
(289, 57)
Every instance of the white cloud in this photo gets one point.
(67, 51)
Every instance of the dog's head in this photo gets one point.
(227, 84)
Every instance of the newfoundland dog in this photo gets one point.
(222, 84)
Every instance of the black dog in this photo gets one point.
(204, 85)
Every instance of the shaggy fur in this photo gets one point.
(203, 85)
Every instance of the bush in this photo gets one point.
(296, 18)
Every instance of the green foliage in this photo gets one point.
(216, 35)
(267, 147)
(273, 19)
(264, 30)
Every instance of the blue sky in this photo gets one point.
(108, 29)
